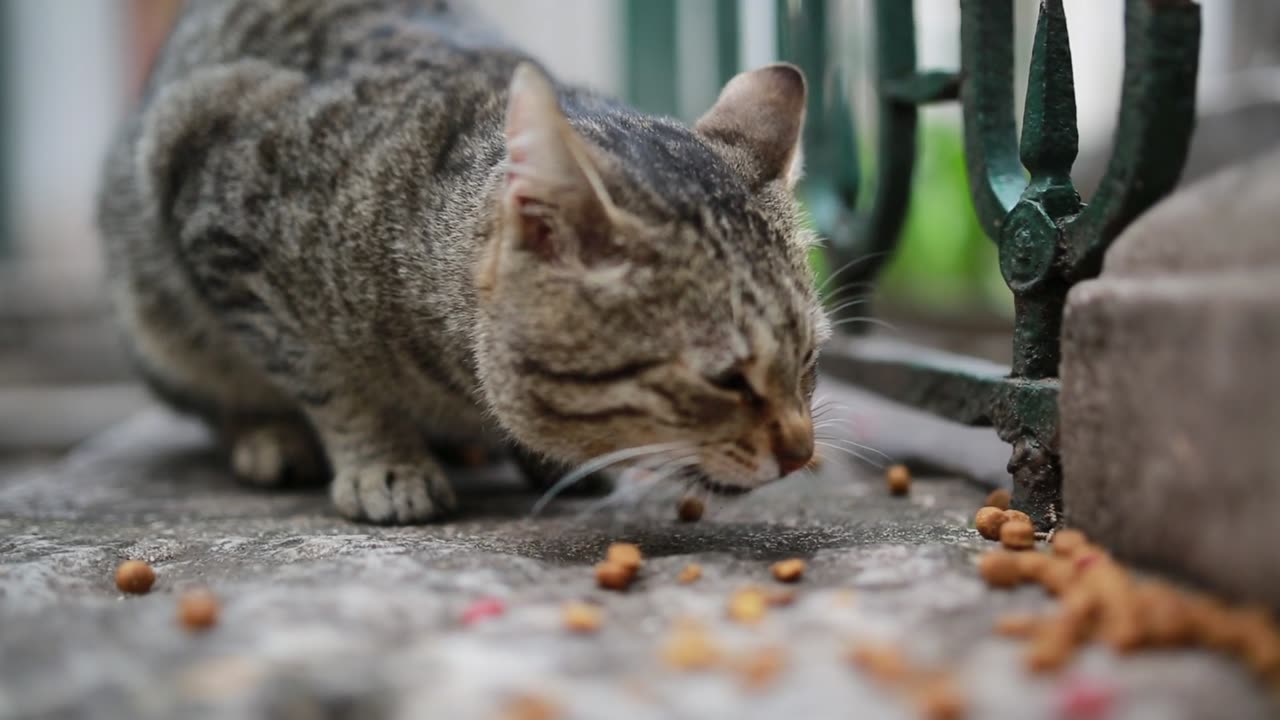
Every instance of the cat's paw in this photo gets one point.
(393, 494)
(272, 455)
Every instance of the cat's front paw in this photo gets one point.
(393, 494)
(276, 454)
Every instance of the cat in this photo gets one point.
(337, 228)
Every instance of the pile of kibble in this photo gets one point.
(1102, 601)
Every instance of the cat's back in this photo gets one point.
(328, 40)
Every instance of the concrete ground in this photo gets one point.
(323, 618)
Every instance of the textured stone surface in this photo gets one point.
(327, 619)
(1171, 398)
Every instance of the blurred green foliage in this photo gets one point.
(944, 264)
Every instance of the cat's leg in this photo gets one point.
(383, 471)
(282, 451)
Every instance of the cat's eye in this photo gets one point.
(734, 381)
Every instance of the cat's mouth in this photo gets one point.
(719, 488)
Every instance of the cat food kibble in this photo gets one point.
(760, 668)
(988, 522)
(748, 605)
(1017, 515)
(884, 663)
(690, 509)
(624, 554)
(1100, 601)
(1017, 626)
(788, 570)
(898, 478)
(690, 648)
(690, 573)
(781, 598)
(135, 576)
(530, 707)
(1056, 576)
(938, 699)
(1017, 535)
(999, 569)
(1068, 542)
(198, 610)
(1032, 565)
(582, 617)
(999, 499)
(1051, 647)
(613, 576)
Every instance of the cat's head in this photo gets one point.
(647, 284)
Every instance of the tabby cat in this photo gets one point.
(340, 231)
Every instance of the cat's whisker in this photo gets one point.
(598, 464)
(631, 492)
(828, 406)
(641, 487)
(849, 265)
(869, 320)
(848, 304)
(874, 463)
(858, 445)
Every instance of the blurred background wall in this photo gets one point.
(68, 70)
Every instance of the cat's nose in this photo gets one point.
(793, 442)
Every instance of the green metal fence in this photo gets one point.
(1048, 239)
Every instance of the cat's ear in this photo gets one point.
(553, 189)
(760, 115)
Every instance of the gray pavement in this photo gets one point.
(323, 618)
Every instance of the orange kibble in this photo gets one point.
(748, 605)
(690, 648)
(1166, 620)
(898, 478)
(884, 663)
(690, 573)
(1120, 627)
(1032, 565)
(1051, 647)
(788, 570)
(780, 598)
(999, 499)
(135, 576)
(1017, 535)
(988, 522)
(1262, 654)
(198, 610)
(938, 699)
(624, 554)
(1018, 626)
(1068, 542)
(1056, 576)
(760, 668)
(1078, 610)
(1018, 515)
(690, 509)
(613, 576)
(530, 707)
(1211, 625)
(582, 617)
(999, 569)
